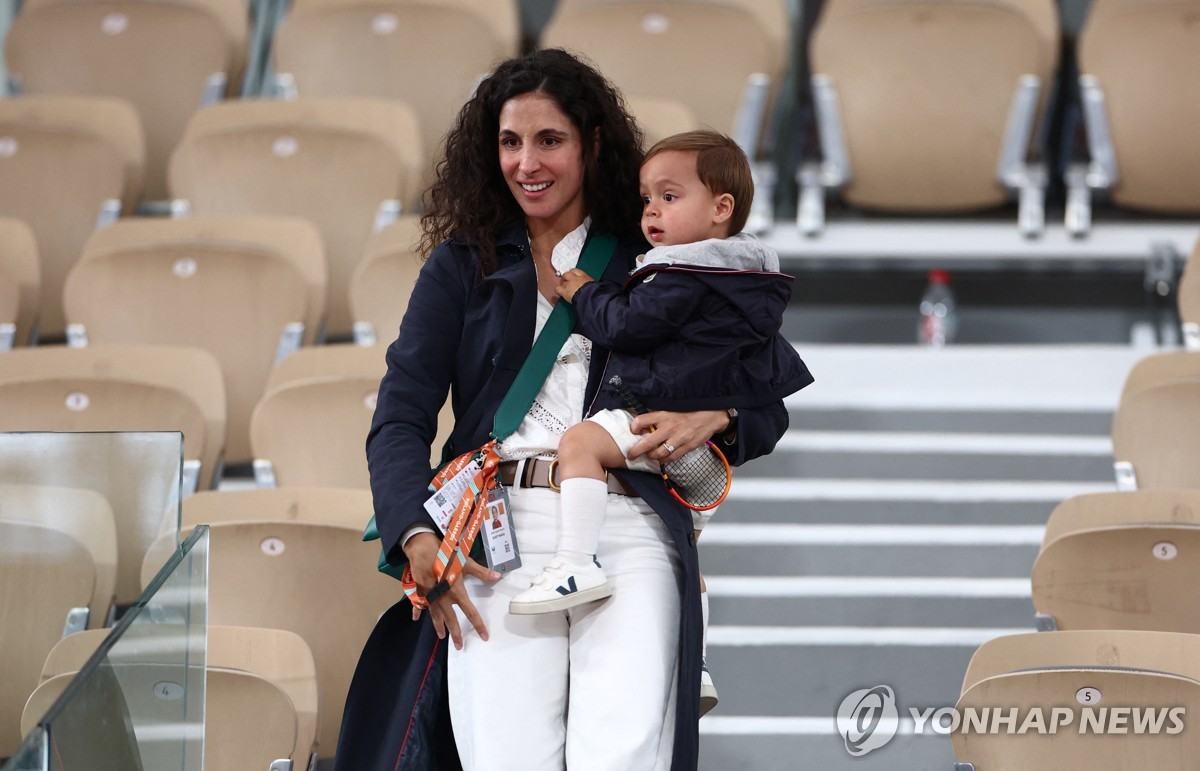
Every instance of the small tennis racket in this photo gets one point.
(700, 479)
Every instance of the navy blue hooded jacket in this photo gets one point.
(697, 335)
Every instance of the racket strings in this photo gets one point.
(699, 477)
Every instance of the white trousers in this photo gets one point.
(587, 689)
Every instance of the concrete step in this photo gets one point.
(782, 671)
(994, 421)
(883, 512)
(905, 455)
(883, 466)
(810, 744)
(869, 550)
(872, 501)
(857, 601)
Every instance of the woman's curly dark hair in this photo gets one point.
(470, 198)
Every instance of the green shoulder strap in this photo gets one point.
(516, 403)
(533, 372)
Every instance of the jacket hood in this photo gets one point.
(741, 269)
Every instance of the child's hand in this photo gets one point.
(570, 283)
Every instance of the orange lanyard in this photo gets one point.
(464, 523)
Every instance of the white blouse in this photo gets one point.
(559, 403)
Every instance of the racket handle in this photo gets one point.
(633, 402)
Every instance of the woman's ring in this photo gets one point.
(670, 448)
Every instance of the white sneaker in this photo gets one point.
(708, 691)
(560, 587)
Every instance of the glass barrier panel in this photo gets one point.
(32, 755)
(137, 701)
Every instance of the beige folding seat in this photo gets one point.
(383, 280)
(242, 288)
(1189, 300)
(660, 118)
(1086, 674)
(312, 430)
(381, 49)
(249, 721)
(1156, 426)
(83, 514)
(336, 162)
(120, 388)
(166, 58)
(501, 16)
(45, 574)
(1120, 561)
(773, 15)
(20, 283)
(293, 558)
(938, 115)
(713, 49)
(67, 164)
(276, 655)
(310, 427)
(1137, 65)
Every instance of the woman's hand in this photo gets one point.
(676, 433)
(421, 551)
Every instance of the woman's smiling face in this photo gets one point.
(541, 158)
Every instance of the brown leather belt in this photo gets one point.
(539, 472)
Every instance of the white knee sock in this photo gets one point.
(583, 502)
(703, 624)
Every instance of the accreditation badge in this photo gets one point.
(499, 538)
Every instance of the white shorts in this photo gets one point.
(616, 423)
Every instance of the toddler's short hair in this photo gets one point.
(721, 165)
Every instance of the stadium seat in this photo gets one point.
(20, 283)
(772, 15)
(381, 49)
(383, 281)
(1087, 672)
(311, 430)
(1139, 96)
(68, 163)
(335, 162)
(164, 58)
(1120, 561)
(277, 655)
(713, 49)
(45, 574)
(660, 118)
(85, 515)
(939, 117)
(501, 16)
(1189, 300)
(277, 555)
(1156, 427)
(249, 721)
(120, 388)
(242, 288)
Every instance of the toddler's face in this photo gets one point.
(676, 206)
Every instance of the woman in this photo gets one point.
(540, 160)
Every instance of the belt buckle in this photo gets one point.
(550, 475)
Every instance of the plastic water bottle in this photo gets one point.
(939, 321)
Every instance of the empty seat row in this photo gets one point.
(922, 106)
(75, 163)
(170, 59)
